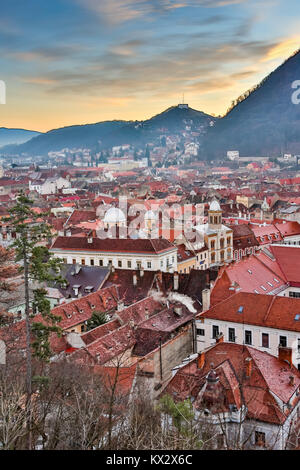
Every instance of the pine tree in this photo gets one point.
(97, 319)
(39, 268)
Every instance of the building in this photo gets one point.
(262, 321)
(248, 398)
(217, 237)
(127, 253)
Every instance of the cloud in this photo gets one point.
(120, 11)
(127, 48)
(285, 48)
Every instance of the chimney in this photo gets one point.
(159, 276)
(201, 359)
(285, 354)
(176, 281)
(178, 310)
(220, 338)
(249, 364)
(205, 300)
(134, 279)
(292, 380)
(207, 280)
(77, 268)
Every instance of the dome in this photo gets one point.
(214, 206)
(150, 215)
(114, 216)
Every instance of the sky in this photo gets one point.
(69, 62)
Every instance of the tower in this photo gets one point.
(215, 216)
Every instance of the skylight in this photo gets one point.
(297, 317)
(240, 310)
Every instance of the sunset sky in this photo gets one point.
(81, 61)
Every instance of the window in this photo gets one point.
(200, 332)
(231, 335)
(215, 331)
(149, 264)
(65, 260)
(100, 262)
(283, 341)
(212, 245)
(128, 264)
(92, 262)
(248, 337)
(73, 261)
(138, 264)
(294, 294)
(119, 263)
(260, 438)
(298, 345)
(83, 262)
(265, 340)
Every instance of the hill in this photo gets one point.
(109, 133)
(264, 121)
(15, 136)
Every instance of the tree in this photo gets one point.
(32, 234)
(97, 319)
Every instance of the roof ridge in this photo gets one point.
(283, 278)
(269, 308)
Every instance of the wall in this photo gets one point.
(207, 340)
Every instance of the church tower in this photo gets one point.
(215, 216)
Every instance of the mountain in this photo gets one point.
(15, 136)
(264, 121)
(110, 133)
(176, 118)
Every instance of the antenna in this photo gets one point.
(182, 98)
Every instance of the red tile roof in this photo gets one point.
(270, 378)
(113, 245)
(262, 310)
(80, 310)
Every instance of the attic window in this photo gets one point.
(256, 292)
(270, 284)
(276, 280)
(263, 288)
(92, 306)
(69, 315)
